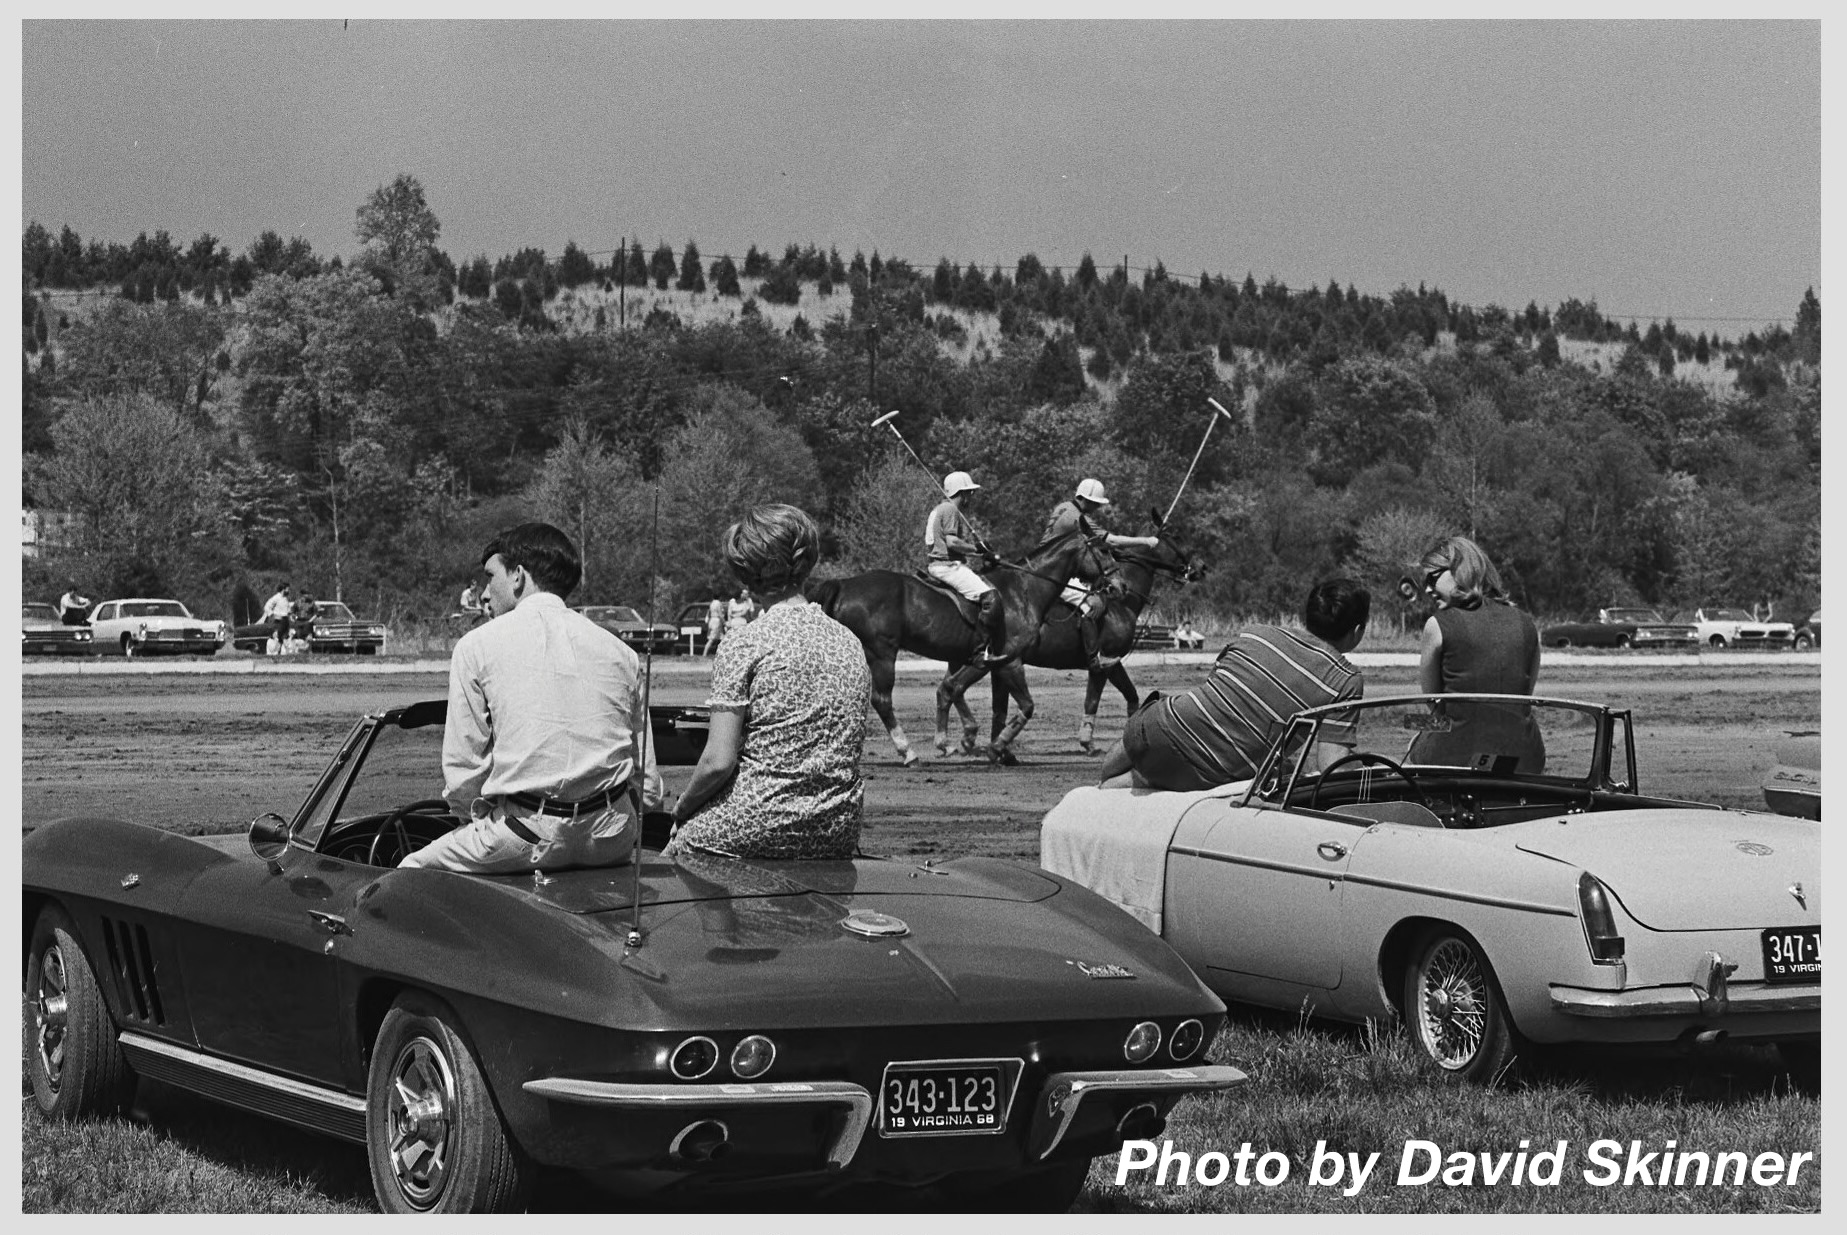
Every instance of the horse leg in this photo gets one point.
(971, 731)
(999, 719)
(1001, 750)
(884, 676)
(949, 693)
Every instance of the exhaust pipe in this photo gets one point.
(1140, 1123)
(705, 1140)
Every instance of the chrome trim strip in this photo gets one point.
(1064, 1092)
(1371, 881)
(1684, 1001)
(621, 1094)
(304, 1091)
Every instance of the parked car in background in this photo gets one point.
(1734, 628)
(334, 629)
(1485, 867)
(44, 634)
(968, 1032)
(1792, 786)
(629, 626)
(143, 626)
(1619, 627)
(1808, 632)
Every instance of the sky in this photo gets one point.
(1663, 168)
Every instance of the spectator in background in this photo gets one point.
(779, 776)
(73, 607)
(714, 623)
(1476, 641)
(301, 619)
(1217, 732)
(276, 611)
(742, 609)
(471, 599)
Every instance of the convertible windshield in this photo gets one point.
(154, 608)
(1729, 615)
(1633, 615)
(1497, 736)
(332, 611)
(38, 613)
(402, 766)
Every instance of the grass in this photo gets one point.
(1354, 1089)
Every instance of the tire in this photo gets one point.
(1623, 641)
(1716, 642)
(1802, 642)
(456, 1156)
(128, 646)
(75, 1063)
(1561, 641)
(1454, 1010)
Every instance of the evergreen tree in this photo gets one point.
(692, 274)
(725, 277)
(662, 267)
(636, 273)
(575, 268)
(754, 263)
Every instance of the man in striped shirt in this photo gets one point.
(1217, 732)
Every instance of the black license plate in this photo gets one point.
(943, 1098)
(1792, 954)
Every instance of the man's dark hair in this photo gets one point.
(1335, 608)
(547, 554)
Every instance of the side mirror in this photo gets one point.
(269, 838)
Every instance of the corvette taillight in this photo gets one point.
(1606, 943)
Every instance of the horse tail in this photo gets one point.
(824, 592)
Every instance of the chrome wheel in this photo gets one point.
(419, 1120)
(1454, 1010)
(50, 1015)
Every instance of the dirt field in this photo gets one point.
(210, 753)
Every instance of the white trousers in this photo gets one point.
(958, 576)
(486, 846)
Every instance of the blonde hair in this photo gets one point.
(1476, 577)
(772, 548)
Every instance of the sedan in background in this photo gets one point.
(334, 629)
(45, 635)
(1734, 628)
(141, 626)
(1620, 628)
(1486, 868)
(624, 623)
(1808, 633)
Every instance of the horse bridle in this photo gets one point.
(1114, 585)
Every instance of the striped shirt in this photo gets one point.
(1267, 674)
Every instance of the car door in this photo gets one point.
(1259, 893)
(260, 960)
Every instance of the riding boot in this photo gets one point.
(994, 625)
(1090, 632)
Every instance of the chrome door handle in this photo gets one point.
(332, 923)
(1331, 849)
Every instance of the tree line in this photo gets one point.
(365, 423)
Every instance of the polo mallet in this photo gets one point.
(1218, 410)
(886, 420)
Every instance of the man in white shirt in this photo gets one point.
(545, 714)
(277, 610)
(73, 606)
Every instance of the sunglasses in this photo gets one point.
(1431, 577)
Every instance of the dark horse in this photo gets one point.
(1059, 645)
(888, 611)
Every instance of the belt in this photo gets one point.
(558, 806)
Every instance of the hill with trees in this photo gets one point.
(362, 424)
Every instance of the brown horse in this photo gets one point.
(888, 611)
(1060, 646)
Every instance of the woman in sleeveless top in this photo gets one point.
(1477, 641)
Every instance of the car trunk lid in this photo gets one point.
(1675, 869)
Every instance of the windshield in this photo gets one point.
(332, 610)
(1494, 736)
(622, 613)
(402, 766)
(38, 613)
(1728, 615)
(1634, 615)
(154, 608)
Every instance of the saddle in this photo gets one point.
(970, 611)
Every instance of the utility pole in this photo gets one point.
(622, 278)
(872, 355)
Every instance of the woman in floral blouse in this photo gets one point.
(779, 776)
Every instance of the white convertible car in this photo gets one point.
(1486, 867)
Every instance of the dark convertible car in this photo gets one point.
(966, 1033)
(1621, 628)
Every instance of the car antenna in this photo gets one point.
(638, 779)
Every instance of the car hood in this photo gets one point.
(1686, 869)
(971, 940)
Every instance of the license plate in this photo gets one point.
(945, 1097)
(1792, 954)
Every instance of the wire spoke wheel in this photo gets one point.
(1454, 1010)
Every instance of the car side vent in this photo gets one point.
(131, 960)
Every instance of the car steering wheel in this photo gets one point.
(395, 823)
(1368, 757)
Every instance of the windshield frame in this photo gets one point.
(1285, 770)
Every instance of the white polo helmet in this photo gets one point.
(958, 482)
(1091, 490)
